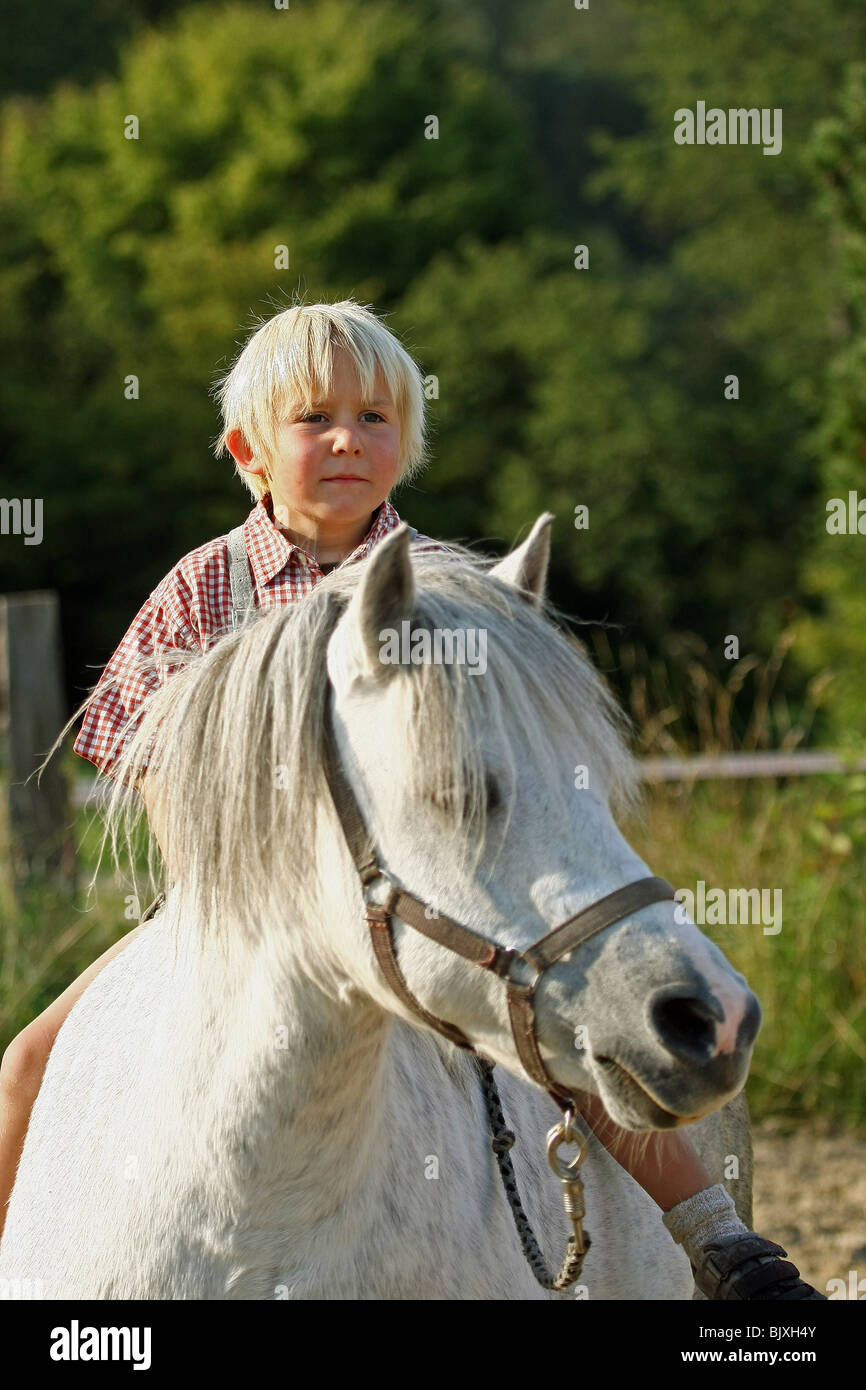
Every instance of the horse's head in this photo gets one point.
(484, 754)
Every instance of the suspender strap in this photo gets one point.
(241, 575)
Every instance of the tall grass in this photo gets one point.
(49, 935)
(805, 836)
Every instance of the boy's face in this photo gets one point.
(341, 435)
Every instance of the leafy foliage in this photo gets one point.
(559, 387)
(834, 634)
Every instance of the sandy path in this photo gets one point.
(810, 1196)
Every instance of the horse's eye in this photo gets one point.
(445, 802)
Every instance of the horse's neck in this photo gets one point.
(302, 1071)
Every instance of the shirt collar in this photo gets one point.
(270, 551)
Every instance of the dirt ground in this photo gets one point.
(810, 1196)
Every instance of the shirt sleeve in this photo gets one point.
(141, 664)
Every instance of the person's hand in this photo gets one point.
(748, 1267)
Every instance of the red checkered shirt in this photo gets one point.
(191, 608)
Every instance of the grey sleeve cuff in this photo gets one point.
(700, 1218)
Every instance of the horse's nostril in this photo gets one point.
(686, 1024)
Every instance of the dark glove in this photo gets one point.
(748, 1267)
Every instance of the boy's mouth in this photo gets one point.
(345, 478)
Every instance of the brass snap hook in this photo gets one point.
(572, 1184)
(565, 1133)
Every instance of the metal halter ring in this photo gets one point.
(565, 1133)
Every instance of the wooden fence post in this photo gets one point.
(38, 820)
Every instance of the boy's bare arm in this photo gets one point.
(669, 1169)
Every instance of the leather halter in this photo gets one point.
(505, 961)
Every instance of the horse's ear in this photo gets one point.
(383, 599)
(526, 567)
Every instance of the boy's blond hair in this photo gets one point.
(286, 363)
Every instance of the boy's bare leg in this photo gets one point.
(23, 1067)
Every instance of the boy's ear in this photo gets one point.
(526, 567)
(242, 453)
(383, 599)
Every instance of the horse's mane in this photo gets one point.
(235, 735)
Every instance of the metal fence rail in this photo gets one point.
(701, 767)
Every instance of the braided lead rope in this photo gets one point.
(503, 1139)
(156, 906)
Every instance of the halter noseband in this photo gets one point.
(505, 961)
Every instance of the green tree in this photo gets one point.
(559, 386)
(144, 257)
(751, 284)
(834, 634)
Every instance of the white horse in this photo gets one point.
(239, 1107)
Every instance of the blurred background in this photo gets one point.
(559, 387)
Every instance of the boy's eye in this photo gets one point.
(318, 415)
